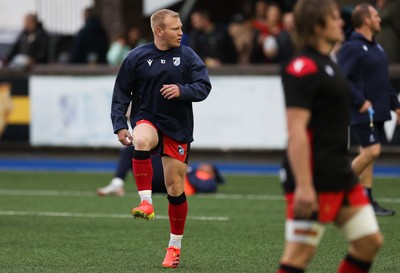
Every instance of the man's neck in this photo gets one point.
(160, 45)
(323, 47)
(366, 32)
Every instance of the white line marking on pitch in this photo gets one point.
(221, 196)
(46, 193)
(100, 215)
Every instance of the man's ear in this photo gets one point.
(367, 21)
(159, 31)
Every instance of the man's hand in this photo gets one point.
(364, 108)
(125, 137)
(305, 201)
(170, 91)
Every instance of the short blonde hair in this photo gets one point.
(158, 17)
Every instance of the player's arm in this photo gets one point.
(200, 85)
(347, 59)
(301, 82)
(298, 150)
(121, 98)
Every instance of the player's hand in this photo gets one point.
(125, 137)
(170, 91)
(364, 108)
(305, 201)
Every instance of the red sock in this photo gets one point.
(352, 265)
(142, 170)
(177, 211)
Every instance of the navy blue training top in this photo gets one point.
(366, 66)
(141, 76)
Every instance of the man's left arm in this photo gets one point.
(200, 85)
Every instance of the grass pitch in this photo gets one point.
(54, 222)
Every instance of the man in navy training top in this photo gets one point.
(365, 64)
(162, 79)
(317, 178)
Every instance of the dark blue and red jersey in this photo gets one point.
(366, 66)
(313, 82)
(141, 76)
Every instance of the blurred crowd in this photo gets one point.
(261, 35)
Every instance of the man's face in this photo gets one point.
(172, 32)
(374, 21)
(332, 32)
(197, 21)
(29, 23)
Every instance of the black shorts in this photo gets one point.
(367, 136)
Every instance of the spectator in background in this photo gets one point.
(389, 37)
(265, 46)
(260, 9)
(126, 40)
(212, 43)
(31, 46)
(91, 43)
(242, 33)
(284, 40)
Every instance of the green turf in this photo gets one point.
(250, 241)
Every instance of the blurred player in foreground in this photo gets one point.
(203, 178)
(161, 79)
(317, 177)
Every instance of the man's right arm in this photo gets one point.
(122, 95)
(298, 150)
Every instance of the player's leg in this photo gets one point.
(145, 138)
(302, 238)
(363, 164)
(361, 229)
(174, 173)
(175, 165)
(370, 148)
(366, 177)
(359, 224)
(364, 160)
(116, 186)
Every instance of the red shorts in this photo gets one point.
(169, 146)
(330, 203)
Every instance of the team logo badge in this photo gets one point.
(176, 60)
(298, 65)
(181, 151)
(149, 61)
(329, 70)
(162, 61)
(371, 138)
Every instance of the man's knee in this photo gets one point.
(371, 152)
(368, 246)
(175, 189)
(142, 143)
